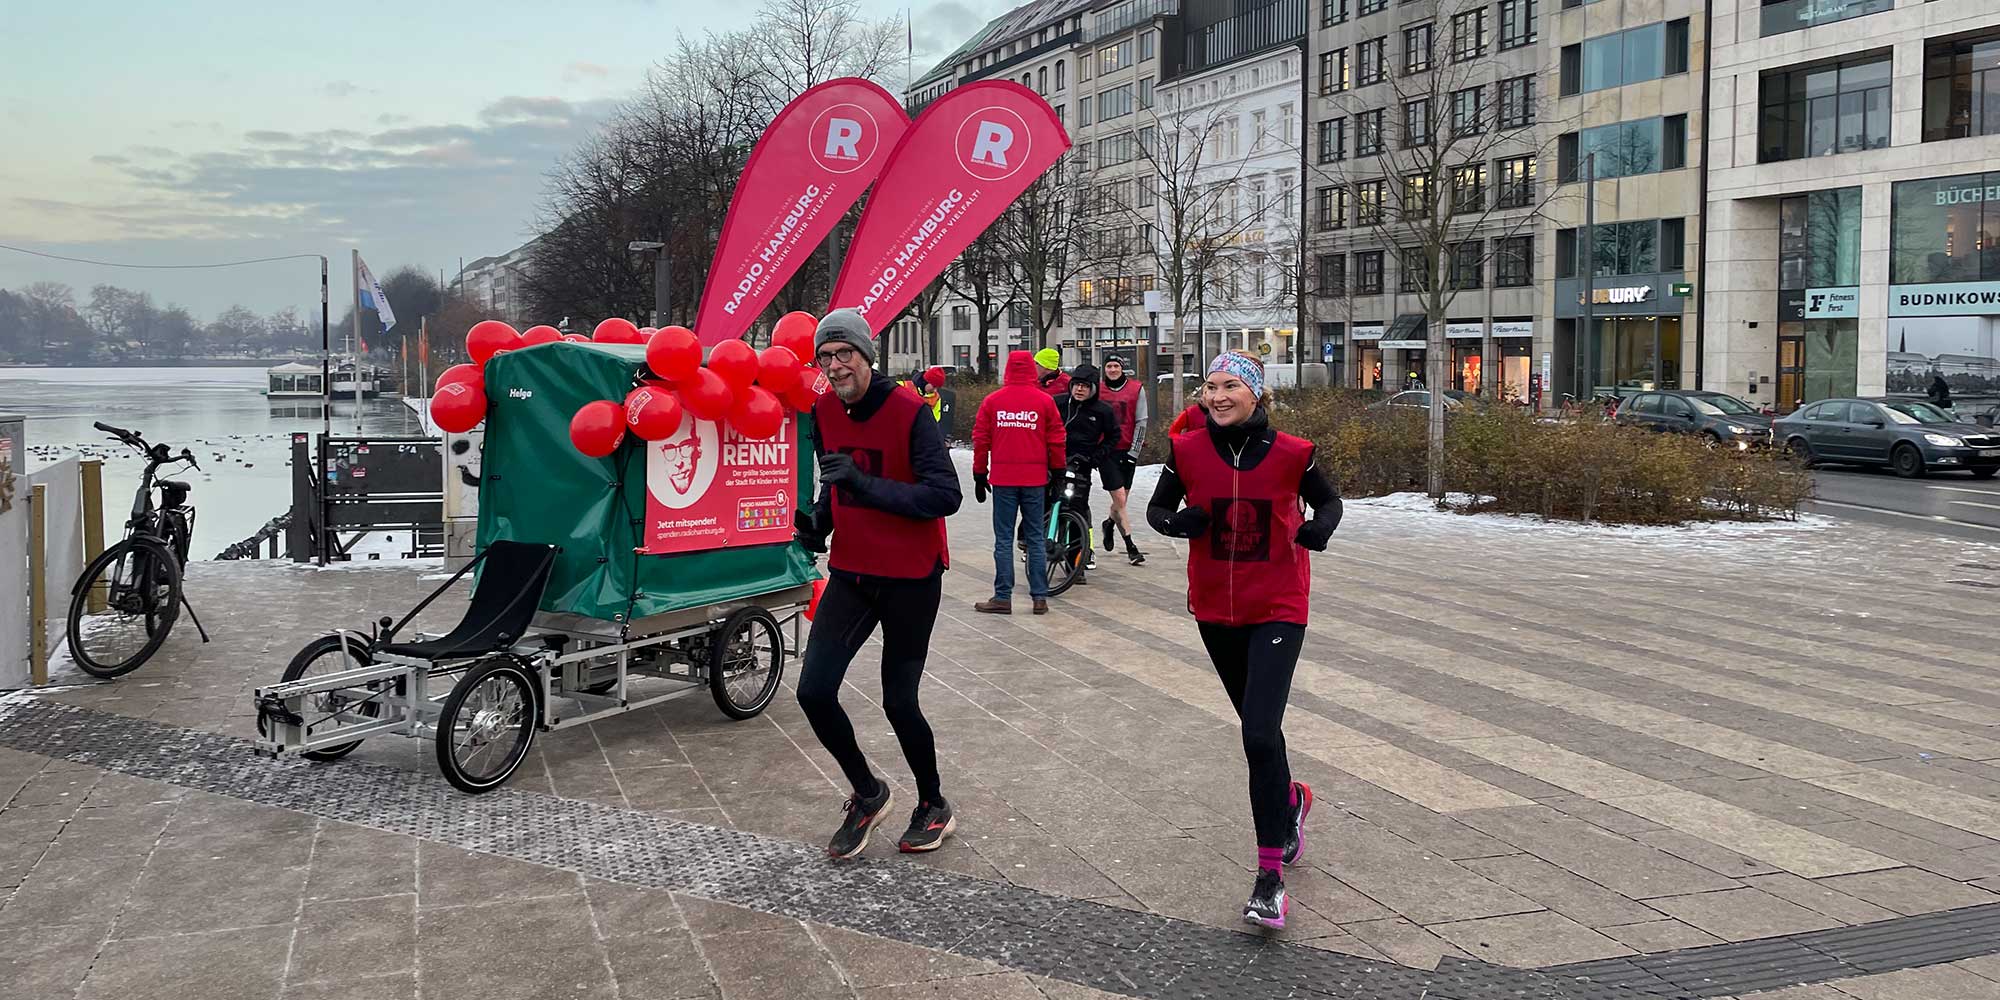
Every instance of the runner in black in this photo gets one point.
(1127, 399)
(1090, 430)
(1248, 583)
(886, 485)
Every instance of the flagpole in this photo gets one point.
(424, 372)
(357, 342)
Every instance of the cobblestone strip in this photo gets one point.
(1090, 944)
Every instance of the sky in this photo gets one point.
(217, 130)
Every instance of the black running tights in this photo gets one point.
(848, 612)
(1256, 664)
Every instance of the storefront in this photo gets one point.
(1406, 348)
(1513, 349)
(1468, 354)
(1631, 342)
(1944, 286)
(1368, 355)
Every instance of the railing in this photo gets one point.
(1797, 15)
(1123, 17)
(1274, 24)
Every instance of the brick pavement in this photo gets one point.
(1532, 747)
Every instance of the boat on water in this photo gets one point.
(294, 380)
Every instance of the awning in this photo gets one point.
(1406, 333)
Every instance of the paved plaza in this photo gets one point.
(1550, 762)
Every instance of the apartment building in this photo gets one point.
(1851, 161)
(496, 284)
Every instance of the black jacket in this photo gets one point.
(935, 494)
(1090, 429)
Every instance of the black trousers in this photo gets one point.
(1256, 663)
(847, 616)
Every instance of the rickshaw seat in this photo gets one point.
(503, 603)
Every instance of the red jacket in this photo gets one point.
(1018, 428)
(1056, 385)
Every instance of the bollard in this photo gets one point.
(91, 471)
(38, 586)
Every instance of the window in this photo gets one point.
(1417, 123)
(1332, 273)
(1288, 125)
(1413, 270)
(1468, 188)
(1468, 34)
(1822, 110)
(1624, 149)
(1083, 68)
(1258, 131)
(1061, 119)
(1417, 196)
(1335, 72)
(1649, 246)
(1116, 149)
(1466, 265)
(1083, 111)
(1635, 55)
(1368, 273)
(1147, 44)
(961, 317)
(1146, 92)
(1468, 112)
(1112, 58)
(1674, 142)
(1517, 183)
(1060, 67)
(1373, 56)
(1114, 103)
(1517, 23)
(1677, 47)
(1514, 262)
(1962, 88)
(1416, 49)
(1673, 244)
(1781, 16)
(1373, 7)
(1017, 315)
(1517, 102)
(1945, 229)
(1332, 12)
(1147, 194)
(1332, 208)
(1368, 133)
(1369, 197)
(1332, 140)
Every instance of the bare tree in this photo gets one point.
(1046, 232)
(808, 42)
(1420, 176)
(985, 276)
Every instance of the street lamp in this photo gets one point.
(662, 275)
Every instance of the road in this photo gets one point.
(1950, 503)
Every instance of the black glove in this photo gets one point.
(979, 486)
(808, 530)
(1188, 522)
(837, 468)
(1313, 535)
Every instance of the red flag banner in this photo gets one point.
(811, 166)
(964, 160)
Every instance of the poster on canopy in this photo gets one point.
(708, 487)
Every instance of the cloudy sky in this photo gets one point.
(212, 130)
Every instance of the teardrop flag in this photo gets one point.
(810, 167)
(963, 161)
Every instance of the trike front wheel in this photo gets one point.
(487, 724)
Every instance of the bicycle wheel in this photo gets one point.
(487, 724)
(330, 654)
(140, 583)
(1067, 551)
(746, 662)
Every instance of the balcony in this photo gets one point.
(1124, 16)
(1797, 15)
(1282, 22)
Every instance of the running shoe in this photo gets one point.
(852, 837)
(1109, 538)
(930, 823)
(1295, 844)
(1132, 552)
(1268, 903)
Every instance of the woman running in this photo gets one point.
(1248, 577)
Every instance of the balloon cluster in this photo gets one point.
(749, 388)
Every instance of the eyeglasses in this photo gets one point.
(839, 355)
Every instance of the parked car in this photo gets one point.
(1419, 399)
(1722, 420)
(1909, 436)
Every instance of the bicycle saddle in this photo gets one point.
(173, 484)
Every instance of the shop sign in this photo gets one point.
(1513, 328)
(1464, 331)
(1971, 195)
(1621, 295)
(1832, 303)
(1957, 298)
(1405, 345)
(1368, 332)
(1548, 369)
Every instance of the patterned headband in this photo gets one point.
(1242, 367)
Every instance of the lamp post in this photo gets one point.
(663, 270)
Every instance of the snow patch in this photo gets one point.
(1418, 506)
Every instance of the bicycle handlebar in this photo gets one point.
(118, 432)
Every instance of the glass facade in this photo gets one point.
(1624, 149)
(1823, 110)
(1781, 16)
(1962, 87)
(1945, 229)
(1636, 353)
(1819, 246)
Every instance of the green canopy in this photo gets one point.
(536, 487)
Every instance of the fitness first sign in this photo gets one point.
(1959, 298)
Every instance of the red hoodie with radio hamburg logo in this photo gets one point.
(1018, 429)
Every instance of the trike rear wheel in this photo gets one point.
(330, 654)
(487, 724)
(746, 662)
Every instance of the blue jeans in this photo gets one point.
(1024, 502)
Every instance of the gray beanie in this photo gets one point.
(845, 326)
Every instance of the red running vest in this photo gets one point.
(1124, 401)
(868, 541)
(1247, 570)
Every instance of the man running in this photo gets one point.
(1020, 435)
(1127, 399)
(1090, 429)
(886, 485)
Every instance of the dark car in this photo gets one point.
(1722, 420)
(1911, 437)
(1419, 399)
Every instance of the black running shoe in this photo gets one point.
(862, 814)
(1295, 843)
(1268, 903)
(1109, 538)
(1132, 552)
(930, 823)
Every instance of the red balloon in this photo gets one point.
(458, 406)
(489, 337)
(597, 428)
(757, 414)
(674, 354)
(540, 335)
(616, 331)
(736, 362)
(706, 395)
(794, 333)
(801, 395)
(652, 412)
(471, 375)
(579, 338)
(777, 369)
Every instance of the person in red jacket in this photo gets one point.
(1249, 576)
(1017, 451)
